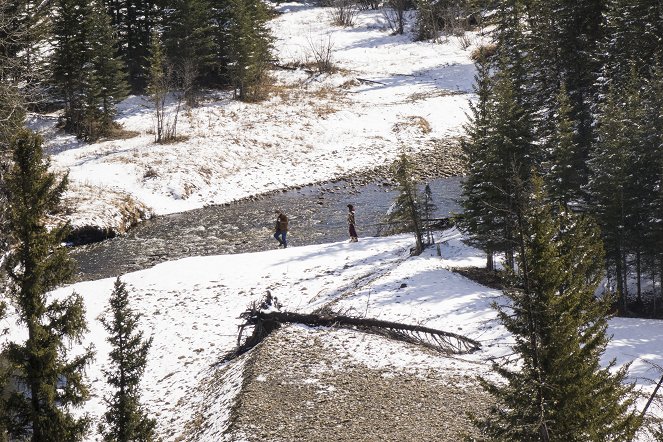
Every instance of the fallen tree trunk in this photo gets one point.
(265, 322)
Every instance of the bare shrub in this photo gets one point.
(464, 40)
(344, 12)
(321, 50)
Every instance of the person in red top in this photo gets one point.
(351, 223)
(281, 228)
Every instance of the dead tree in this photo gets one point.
(264, 320)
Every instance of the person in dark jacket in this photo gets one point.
(351, 223)
(281, 228)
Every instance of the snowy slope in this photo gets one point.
(191, 309)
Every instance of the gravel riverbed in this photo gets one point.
(307, 385)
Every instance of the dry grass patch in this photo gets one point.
(426, 95)
(413, 122)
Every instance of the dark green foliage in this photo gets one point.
(501, 153)
(188, 36)
(560, 392)
(406, 213)
(88, 77)
(625, 180)
(125, 420)
(633, 37)
(134, 21)
(428, 207)
(563, 177)
(246, 44)
(427, 27)
(24, 26)
(37, 264)
(108, 83)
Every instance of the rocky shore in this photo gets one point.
(307, 385)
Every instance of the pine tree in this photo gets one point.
(406, 213)
(427, 20)
(108, 83)
(134, 21)
(247, 45)
(71, 71)
(559, 392)
(502, 153)
(125, 420)
(189, 42)
(87, 74)
(428, 208)
(24, 28)
(563, 175)
(476, 147)
(633, 37)
(37, 264)
(607, 188)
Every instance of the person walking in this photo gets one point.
(281, 228)
(351, 223)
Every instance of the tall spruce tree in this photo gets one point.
(38, 263)
(476, 146)
(188, 36)
(108, 85)
(125, 420)
(88, 76)
(502, 152)
(633, 37)
(134, 21)
(247, 45)
(406, 213)
(559, 392)
(563, 176)
(608, 165)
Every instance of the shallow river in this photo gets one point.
(317, 215)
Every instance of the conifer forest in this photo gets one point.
(502, 161)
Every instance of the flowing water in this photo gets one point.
(317, 214)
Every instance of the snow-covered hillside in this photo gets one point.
(389, 94)
(191, 307)
(315, 127)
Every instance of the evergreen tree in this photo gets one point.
(502, 153)
(428, 208)
(562, 47)
(134, 21)
(247, 45)
(88, 76)
(560, 392)
(427, 20)
(24, 28)
(108, 85)
(71, 71)
(607, 184)
(37, 264)
(125, 420)
(633, 37)
(563, 173)
(406, 213)
(654, 124)
(189, 42)
(476, 186)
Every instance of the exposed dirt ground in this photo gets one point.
(304, 385)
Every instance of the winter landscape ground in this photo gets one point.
(314, 128)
